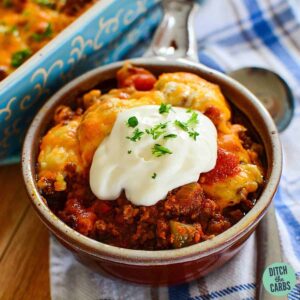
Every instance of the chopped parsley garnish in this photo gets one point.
(129, 151)
(188, 125)
(165, 108)
(159, 150)
(19, 57)
(189, 110)
(136, 136)
(154, 176)
(193, 135)
(157, 130)
(170, 136)
(132, 122)
(181, 125)
(38, 37)
(193, 120)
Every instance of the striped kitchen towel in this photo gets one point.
(231, 34)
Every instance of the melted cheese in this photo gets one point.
(189, 90)
(232, 190)
(99, 120)
(59, 148)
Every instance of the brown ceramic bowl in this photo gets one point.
(167, 266)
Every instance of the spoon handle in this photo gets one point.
(175, 36)
(269, 250)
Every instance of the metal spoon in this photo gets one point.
(271, 90)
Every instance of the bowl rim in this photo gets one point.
(100, 250)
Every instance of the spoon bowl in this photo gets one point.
(271, 90)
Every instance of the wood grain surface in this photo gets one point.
(24, 242)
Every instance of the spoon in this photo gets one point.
(271, 90)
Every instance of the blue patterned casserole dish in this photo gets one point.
(103, 34)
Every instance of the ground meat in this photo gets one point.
(72, 7)
(217, 224)
(184, 218)
(78, 217)
(185, 201)
(63, 113)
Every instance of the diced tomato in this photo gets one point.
(227, 165)
(144, 82)
(139, 78)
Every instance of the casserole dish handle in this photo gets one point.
(175, 36)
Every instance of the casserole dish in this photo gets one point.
(163, 266)
(91, 36)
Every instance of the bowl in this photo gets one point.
(165, 266)
(88, 42)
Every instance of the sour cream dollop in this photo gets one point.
(187, 147)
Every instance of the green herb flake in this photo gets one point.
(193, 135)
(129, 151)
(154, 176)
(181, 125)
(19, 57)
(193, 120)
(38, 37)
(157, 130)
(188, 125)
(165, 108)
(159, 150)
(136, 136)
(132, 122)
(170, 136)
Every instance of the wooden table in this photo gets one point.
(24, 242)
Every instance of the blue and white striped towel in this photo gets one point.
(231, 34)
